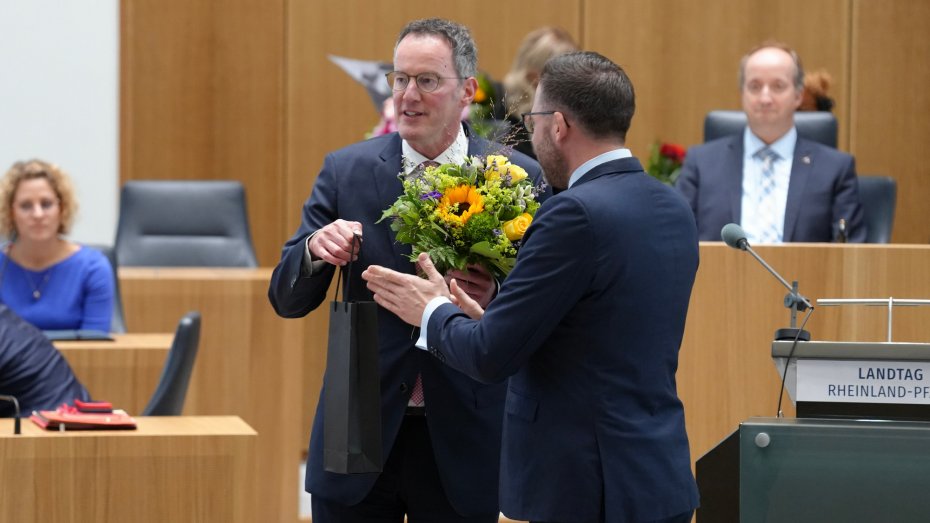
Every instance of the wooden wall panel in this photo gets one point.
(890, 105)
(202, 87)
(683, 56)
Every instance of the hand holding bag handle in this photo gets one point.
(352, 396)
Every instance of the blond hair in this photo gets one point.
(537, 48)
(32, 170)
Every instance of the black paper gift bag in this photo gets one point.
(352, 408)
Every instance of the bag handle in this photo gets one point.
(356, 241)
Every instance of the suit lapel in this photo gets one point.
(389, 188)
(733, 165)
(801, 167)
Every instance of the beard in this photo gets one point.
(553, 163)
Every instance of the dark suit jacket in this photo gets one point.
(589, 325)
(823, 188)
(32, 369)
(357, 183)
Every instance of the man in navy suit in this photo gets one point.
(441, 430)
(777, 186)
(587, 325)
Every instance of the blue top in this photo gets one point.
(75, 293)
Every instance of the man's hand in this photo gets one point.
(464, 301)
(333, 243)
(477, 282)
(406, 295)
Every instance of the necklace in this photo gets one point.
(37, 289)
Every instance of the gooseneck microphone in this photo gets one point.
(735, 237)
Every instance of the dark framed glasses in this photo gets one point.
(426, 82)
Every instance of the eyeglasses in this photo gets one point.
(528, 122)
(426, 82)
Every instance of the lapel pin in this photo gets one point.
(806, 159)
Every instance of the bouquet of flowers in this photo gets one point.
(462, 214)
(665, 162)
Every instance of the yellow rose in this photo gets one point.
(516, 173)
(497, 166)
(516, 228)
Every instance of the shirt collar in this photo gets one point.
(784, 146)
(456, 153)
(583, 169)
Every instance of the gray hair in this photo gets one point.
(464, 50)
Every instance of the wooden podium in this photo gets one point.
(178, 469)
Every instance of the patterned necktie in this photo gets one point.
(418, 170)
(416, 397)
(768, 232)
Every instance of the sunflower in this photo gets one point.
(458, 204)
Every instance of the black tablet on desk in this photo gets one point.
(77, 334)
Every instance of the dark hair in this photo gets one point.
(464, 50)
(594, 92)
(798, 68)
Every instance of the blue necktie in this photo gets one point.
(768, 232)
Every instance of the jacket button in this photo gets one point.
(403, 387)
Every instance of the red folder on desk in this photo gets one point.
(72, 419)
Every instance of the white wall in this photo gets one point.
(59, 99)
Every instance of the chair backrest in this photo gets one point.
(175, 223)
(819, 126)
(118, 322)
(168, 399)
(878, 195)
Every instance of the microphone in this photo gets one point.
(735, 237)
(15, 402)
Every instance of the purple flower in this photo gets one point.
(432, 194)
(497, 232)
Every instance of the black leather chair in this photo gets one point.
(118, 323)
(168, 399)
(819, 126)
(184, 224)
(878, 195)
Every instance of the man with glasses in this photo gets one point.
(778, 186)
(441, 430)
(594, 429)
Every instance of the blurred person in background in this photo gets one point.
(48, 280)
(520, 83)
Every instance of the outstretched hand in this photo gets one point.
(406, 295)
(465, 302)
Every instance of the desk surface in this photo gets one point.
(149, 341)
(147, 426)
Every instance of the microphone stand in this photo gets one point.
(16, 413)
(793, 300)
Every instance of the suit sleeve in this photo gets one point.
(846, 204)
(292, 294)
(552, 273)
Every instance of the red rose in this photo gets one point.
(673, 152)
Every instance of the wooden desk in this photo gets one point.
(124, 371)
(250, 362)
(171, 469)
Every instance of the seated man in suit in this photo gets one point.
(32, 370)
(777, 186)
